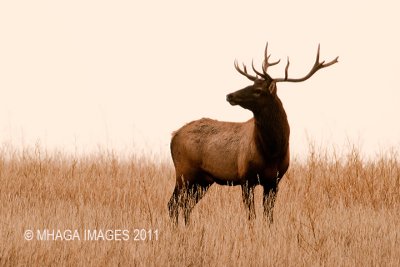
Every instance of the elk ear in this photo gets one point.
(272, 88)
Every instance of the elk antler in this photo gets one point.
(244, 71)
(265, 66)
(317, 66)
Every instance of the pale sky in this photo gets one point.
(126, 74)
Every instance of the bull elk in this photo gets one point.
(255, 152)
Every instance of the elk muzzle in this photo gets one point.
(230, 99)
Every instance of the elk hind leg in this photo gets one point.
(194, 193)
(173, 204)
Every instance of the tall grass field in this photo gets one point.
(334, 208)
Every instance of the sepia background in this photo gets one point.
(83, 82)
(78, 75)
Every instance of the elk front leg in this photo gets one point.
(270, 191)
(248, 199)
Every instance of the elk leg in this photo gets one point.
(248, 199)
(173, 204)
(193, 195)
(270, 190)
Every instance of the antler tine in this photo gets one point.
(267, 64)
(317, 66)
(257, 72)
(317, 58)
(287, 68)
(244, 71)
(266, 56)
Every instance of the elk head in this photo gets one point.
(263, 90)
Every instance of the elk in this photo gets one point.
(251, 153)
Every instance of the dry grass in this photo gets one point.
(334, 209)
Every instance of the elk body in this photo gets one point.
(255, 152)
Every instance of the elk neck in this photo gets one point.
(271, 130)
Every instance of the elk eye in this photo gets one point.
(258, 91)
